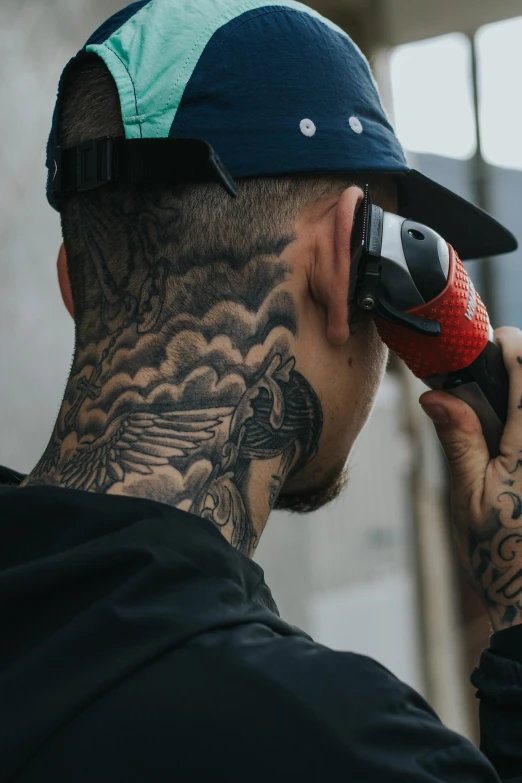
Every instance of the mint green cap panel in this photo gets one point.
(153, 55)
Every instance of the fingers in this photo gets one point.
(460, 433)
(459, 429)
(510, 341)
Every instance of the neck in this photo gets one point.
(207, 414)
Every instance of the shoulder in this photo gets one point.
(10, 476)
(355, 714)
(343, 691)
(339, 686)
(246, 703)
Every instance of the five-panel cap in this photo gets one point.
(268, 89)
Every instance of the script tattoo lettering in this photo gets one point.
(184, 380)
(495, 552)
(496, 558)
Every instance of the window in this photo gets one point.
(499, 54)
(433, 96)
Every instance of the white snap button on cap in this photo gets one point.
(355, 124)
(307, 127)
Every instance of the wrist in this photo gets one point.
(504, 617)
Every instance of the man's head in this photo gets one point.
(214, 366)
(278, 254)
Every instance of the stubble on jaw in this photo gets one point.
(322, 486)
(332, 485)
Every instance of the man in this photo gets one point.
(215, 376)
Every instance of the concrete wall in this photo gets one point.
(36, 40)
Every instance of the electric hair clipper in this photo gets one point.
(427, 310)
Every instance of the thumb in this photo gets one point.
(460, 433)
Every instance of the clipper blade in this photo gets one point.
(359, 243)
(366, 210)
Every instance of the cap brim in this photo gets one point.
(472, 232)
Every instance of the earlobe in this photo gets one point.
(63, 280)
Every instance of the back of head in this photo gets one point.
(214, 367)
(130, 247)
(203, 372)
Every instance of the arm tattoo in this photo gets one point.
(496, 559)
(176, 397)
(495, 552)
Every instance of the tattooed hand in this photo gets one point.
(487, 494)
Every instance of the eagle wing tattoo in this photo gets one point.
(139, 443)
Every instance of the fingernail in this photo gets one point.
(437, 413)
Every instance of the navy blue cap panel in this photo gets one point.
(262, 94)
(116, 21)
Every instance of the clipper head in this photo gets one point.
(358, 245)
(360, 227)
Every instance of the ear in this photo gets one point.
(332, 267)
(63, 280)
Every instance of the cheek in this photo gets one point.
(346, 380)
(370, 364)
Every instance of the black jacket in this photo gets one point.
(138, 645)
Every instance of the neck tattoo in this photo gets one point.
(184, 404)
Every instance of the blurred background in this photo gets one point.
(374, 572)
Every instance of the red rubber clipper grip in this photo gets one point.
(464, 328)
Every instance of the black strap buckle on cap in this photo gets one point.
(98, 162)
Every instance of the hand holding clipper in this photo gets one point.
(427, 310)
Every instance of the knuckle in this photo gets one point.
(508, 332)
(510, 341)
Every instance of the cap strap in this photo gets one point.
(141, 161)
